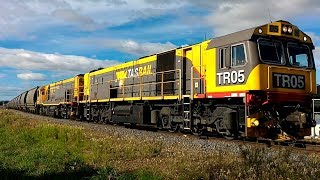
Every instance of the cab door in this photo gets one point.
(193, 71)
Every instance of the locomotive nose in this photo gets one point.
(290, 80)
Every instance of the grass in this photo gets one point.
(32, 148)
(36, 149)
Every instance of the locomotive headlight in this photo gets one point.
(290, 30)
(285, 29)
(254, 122)
(305, 38)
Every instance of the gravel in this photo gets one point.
(181, 141)
(184, 141)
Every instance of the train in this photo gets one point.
(254, 83)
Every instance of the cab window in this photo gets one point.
(299, 56)
(223, 58)
(271, 51)
(238, 56)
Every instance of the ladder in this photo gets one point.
(315, 131)
(88, 109)
(187, 113)
(64, 112)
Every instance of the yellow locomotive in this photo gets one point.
(253, 83)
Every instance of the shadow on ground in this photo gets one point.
(83, 173)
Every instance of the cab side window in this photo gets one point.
(222, 58)
(238, 56)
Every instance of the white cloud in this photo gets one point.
(315, 37)
(30, 60)
(316, 54)
(32, 76)
(20, 19)
(10, 89)
(73, 17)
(230, 16)
(8, 92)
(129, 46)
(133, 47)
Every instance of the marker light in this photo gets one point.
(290, 30)
(284, 29)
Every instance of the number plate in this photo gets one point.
(290, 81)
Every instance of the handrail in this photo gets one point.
(268, 86)
(201, 77)
(140, 84)
(310, 82)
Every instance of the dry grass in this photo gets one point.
(34, 148)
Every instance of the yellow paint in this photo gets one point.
(78, 87)
(86, 84)
(135, 99)
(120, 71)
(121, 75)
(44, 104)
(65, 81)
(43, 94)
(204, 61)
(125, 65)
(265, 74)
(260, 78)
(266, 31)
(210, 64)
(134, 72)
(252, 122)
(160, 98)
(70, 80)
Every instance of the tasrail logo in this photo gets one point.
(134, 72)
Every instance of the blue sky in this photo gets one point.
(45, 41)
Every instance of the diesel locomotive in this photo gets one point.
(255, 83)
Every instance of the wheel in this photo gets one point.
(222, 130)
(95, 119)
(173, 127)
(197, 130)
(229, 135)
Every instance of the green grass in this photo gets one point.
(32, 148)
(39, 150)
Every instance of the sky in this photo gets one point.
(42, 41)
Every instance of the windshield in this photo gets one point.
(271, 51)
(299, 56)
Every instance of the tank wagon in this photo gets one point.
(31, 99)
(256, 83)
(25, 101)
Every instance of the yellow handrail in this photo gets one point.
(201, 77)
(176, 80)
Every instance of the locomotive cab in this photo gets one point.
(272, 68)
(287, 76)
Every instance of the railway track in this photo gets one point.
(298, 146)
(301, 146)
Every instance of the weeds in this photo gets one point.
(37, 149)
(111, 173)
